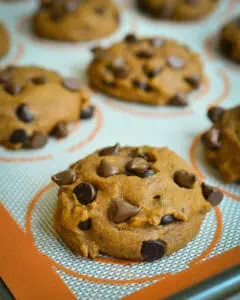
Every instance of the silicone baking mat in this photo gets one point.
(30, 198)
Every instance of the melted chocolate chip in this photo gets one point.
(85, 193)
(184, 179)
(215, 113)
(175, 62)
(153, 72)
(106, 169)
(212, 139)
(5, 77)
(24, 114)
(148, 173)
(85, 225)
(64, 178)
(153, 250)
(142, 85)
(19, 136)
(39, 80)
(121, 211)
(113, 150)
(72, 84)
(148, 156)
(87, 113)
(193, 81)
(212, 194)
(12, 88)
(38, 140)
(178, 100)
(144, 54)
(168, 219)
(131, 38)
(60, 130)
(138, 166)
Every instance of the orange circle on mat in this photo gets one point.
(192, 153)
(28, 219)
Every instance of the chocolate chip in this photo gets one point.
(145, 54)
(38, 140)
(119, 68)
(211, 139)
(106, 169)
(60, 130)
(175, 62)
(12, 88)
(178, 100)
(24, 114)
(64, 178)
(153, 250)
(85, 193)
(157, 42)
(148, 156)
(19, 136)
(121, 211)
(184, 179)
(131, 38)
(113, 150)
(212, 194)
(153, 72)
(215, 113)
(5, 77)
(87, 113)
(138, 166)
(100, 10)
(85, 225)
(108, 83)
(142, 85)
(148, 173)
(72, 84)
(39, 80)
(193, 81)
(226, 47)
(168, 219)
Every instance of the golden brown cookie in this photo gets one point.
(222, 142)
(152, 71)
(4, 41)
(76, 20)
(133, 203)
(177, 9)
(230, 40)
(35, 102)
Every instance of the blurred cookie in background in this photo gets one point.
(4, 40)
(36, 103)
(76, 20)
(177, 10)
(222, 142)
(230, 40)
(150, 70)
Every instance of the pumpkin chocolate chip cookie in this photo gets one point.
(177, 9)
(133, 203)
(76, 20)
(36, 102)
(152, 71)
(230, 40)
(4, 41)
(222, 142)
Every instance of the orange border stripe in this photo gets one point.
(200, 272)
(27, 273)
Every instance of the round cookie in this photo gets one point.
(152, 71)
(230, 40)
(181, 10)
(132, 203)
(4, 41)
(222, 142)
(76, 20)
(35, 102)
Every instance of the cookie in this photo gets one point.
(152, 71)
(35, 102)
(133, 203)
(5, 41)
(181, 10)
(230, 40)
(222, 142)
(76, 20)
